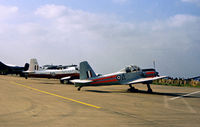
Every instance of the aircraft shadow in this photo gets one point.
(55, 83)
(99, 91)
(48, 83)
(145, 92)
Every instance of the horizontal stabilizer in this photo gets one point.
(28, 71)
(80, 81)
(142, 80)
(66, 78)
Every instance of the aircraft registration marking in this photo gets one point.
(66, 98)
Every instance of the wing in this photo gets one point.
(142, 80)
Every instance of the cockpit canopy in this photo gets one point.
(130, 68)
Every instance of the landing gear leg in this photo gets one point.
(26, 76)
(132, 88)
(79, 88)
(149, 88)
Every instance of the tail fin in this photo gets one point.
(86, 71)
(2, 65)
(26, 66)
(33, 65)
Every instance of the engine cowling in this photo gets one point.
(150, 73)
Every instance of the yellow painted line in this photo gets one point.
(66, 98)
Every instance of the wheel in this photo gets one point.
(149, 88)
(62, 81)
(79, 89)
(149, 91)
(132, 89)
(66, 81)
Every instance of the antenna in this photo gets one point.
(154, 64)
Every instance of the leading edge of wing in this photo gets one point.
(141, 80)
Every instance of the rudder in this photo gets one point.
(26, 66)
(33, 65)
(86, 71)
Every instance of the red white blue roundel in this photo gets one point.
(118, 77)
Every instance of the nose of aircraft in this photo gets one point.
(150, 73)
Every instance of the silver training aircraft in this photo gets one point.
(65, 75)
(128, 76)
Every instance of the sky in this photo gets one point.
(109, 34)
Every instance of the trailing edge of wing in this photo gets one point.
(146, 79)
(80, 81)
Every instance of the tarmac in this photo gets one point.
(47, 103)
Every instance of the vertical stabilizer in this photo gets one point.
(26, 66)
(86, 71)
(2, 65)
(34, 66)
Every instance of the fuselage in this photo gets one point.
(72, 71)
(118, 78)
(11, 69)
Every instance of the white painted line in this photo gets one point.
(166, 102)
(188, 106)
(173, 98)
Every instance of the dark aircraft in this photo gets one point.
(127, 76)
(12, 69)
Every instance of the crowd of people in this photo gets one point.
(178, 82)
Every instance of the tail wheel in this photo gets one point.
(79, 88)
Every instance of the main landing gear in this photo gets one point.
(149, 88)
(26, 76)
(133, 89)
(61, 81)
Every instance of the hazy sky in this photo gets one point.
(109, 34)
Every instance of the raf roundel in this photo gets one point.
(118, 77)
